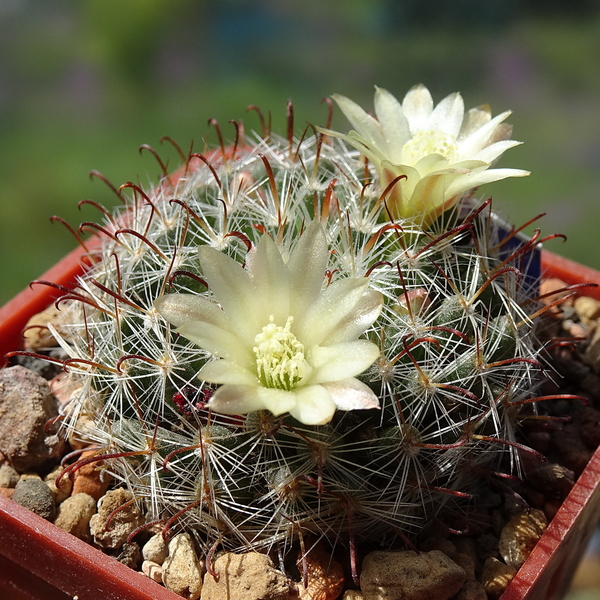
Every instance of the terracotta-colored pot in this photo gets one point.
(40, 561)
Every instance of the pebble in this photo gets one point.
(552, 478)
(552, 284)
(26, 404)
(472, 590)
(121, 525)
(250, 576)
(592, 352)
(467, 563)
(587, 308)
(352, 595)
(496, 576)
(35, 495)
(130, 555)
(520, 535)
(8, 477)
(325, 575)
(66, 485)
(152, 570)
(182, 571)
(7, 492)
(74, 515)
(155, 549)
(91, 480)
(589, 419)
(36, 335)
(410, 576)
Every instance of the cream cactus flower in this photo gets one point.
(281, 341)
(440, 152)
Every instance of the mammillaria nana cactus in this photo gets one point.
(322, 336)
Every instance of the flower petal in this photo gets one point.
(277, 401)
(394, 125)
(227, 371)
(314, 405)
(417, 107)
(232, 288)
(365, 313)
(182, 308)
(352, 394)
(366, 125)
(474, 119)
(481, 137)
(236, 400)
(332, 306)
(306, 269)
(217, 341)
(269, 277)
(448, 115)
(341, 361)
(473, 180)
(490, 153)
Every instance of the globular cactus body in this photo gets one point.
(457, 353)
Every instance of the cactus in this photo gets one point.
(441, 298)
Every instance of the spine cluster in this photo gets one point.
(454, 379)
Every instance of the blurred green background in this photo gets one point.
(83, 83)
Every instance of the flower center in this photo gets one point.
(424, 143)
(279, 356)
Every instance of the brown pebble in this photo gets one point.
(472, 590)
(410, 576)
(152, 570)
(352, 595)
(467, 563)
(122, 522)
(36, 334)
(130, 555)
(496, 576)
(26, 405)
(66, 485)
(550, 285)
(445, 546)
(325, 576)
(182, 571)
(8, 476)
(587, 308)
(74, 515)
(250, 576)
(551, 478)
(520, 535)
(156, 549)
(89, 479)
(7, 492)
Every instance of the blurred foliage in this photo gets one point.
(83, 83)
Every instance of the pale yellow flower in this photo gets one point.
(440, 151)
(282, 342)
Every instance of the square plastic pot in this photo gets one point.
(40, 561)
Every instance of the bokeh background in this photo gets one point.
(83, 83)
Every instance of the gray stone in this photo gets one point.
(35, 495)
(26, 404)
(410, 576)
